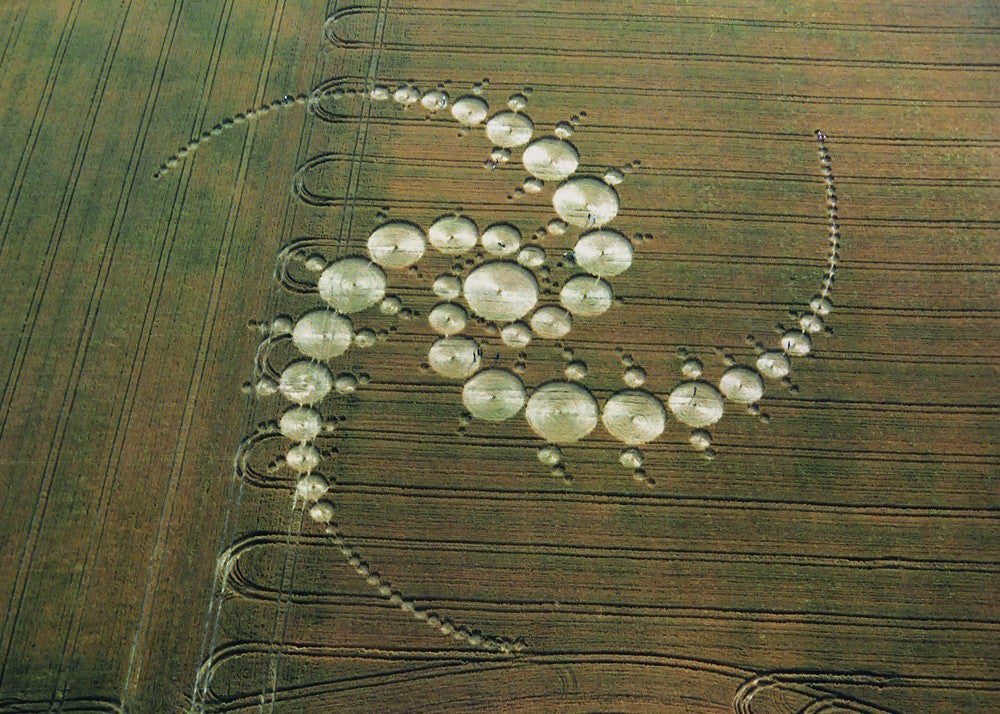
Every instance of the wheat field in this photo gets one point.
(177, 174)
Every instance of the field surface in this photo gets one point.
(839, 551)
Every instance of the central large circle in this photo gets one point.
(501, 291)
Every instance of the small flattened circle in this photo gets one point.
(447, 287)
(434, 100)
(300, 424)
(515, 334)
(796, 343)
(447, 318)
(312, 487)
(469, 110)
(531, 256)
(774, 364)
(302, 458)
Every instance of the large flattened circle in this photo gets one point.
(501, 290)
(562, 412)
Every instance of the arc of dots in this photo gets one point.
(503, 292)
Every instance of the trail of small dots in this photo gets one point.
(249, 115)
(445, 626)
(833, 257)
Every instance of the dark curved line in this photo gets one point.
(454, 47)
(685, 19)
(649, 499)
(314, 198)
(319, 200)
(253, 590)
(603, 445)
(307, 244)
(399, 119)
(797, 403)
(292, 693)
(647, 169)
(13, 705)
(259, 539)
(599, 443)
(355, 82)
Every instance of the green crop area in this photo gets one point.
(509, 356)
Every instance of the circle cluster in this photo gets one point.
(509, 293)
